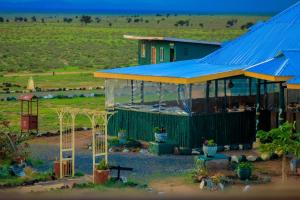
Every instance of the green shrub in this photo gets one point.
(113, 141)
(103, 165)
(133, 144)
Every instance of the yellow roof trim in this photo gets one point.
(267, 77)
(293, 86)
(168, 79)
(141, 78)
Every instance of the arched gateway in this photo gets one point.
(67, 122)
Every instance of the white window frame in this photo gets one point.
(162, 54)
(143, 50)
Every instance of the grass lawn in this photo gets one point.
(48, 120)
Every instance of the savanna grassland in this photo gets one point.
(38, 47)
(74, 49)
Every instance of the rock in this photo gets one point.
(202, 184)
(265, 156)
(110, 150)
(144, 151)
(125, 150)
(123, 179)
(227, 147)
(247, 188)
(234, 159)
(240, 147)
(221, 186)
(251, 158)
(195, 152)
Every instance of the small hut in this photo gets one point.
(155, 50)
(247, 85)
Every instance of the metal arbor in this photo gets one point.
(67, 117)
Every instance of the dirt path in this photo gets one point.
(45, 73)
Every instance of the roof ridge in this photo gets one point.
(283, 65)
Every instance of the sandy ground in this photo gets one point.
(168, 184)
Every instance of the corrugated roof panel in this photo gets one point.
(181, 69)
(264, 42)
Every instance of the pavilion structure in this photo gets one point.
(249, 84)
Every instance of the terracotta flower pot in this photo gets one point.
(101, 176)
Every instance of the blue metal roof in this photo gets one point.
(258, 47)
(285, 64)
(180, 69)
(295, 80)
(263, 42)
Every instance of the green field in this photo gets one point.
(48, 120)
(40, 47)
(75, 50)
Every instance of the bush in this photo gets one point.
(133, 144)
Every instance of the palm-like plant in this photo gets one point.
(282, 139)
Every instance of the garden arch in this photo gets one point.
(67, 122)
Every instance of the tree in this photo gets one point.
(283, 140)
(86, 19)
(68, 20)
(33, 19)
(1, 19)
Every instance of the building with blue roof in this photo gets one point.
(249, 84)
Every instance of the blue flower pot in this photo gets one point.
(244, 174)
(210, 151)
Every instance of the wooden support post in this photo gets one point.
(216, 88)
(265, 95)
(257, 105)
(142, 92)
(207, 97)
(281, 117)
(225, 96)
(250, 86)
(190, 98)
(132, 95)
(160, 96)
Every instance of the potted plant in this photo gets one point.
(122, 136)
(244, 170)
(160, 135)
(101, 174)
(210, 148)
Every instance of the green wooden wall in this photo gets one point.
(224, 128)
(183, 51)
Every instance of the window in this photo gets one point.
(162, 54)
(143, 50)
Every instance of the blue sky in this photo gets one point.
(136, 6)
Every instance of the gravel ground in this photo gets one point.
(144, 165)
